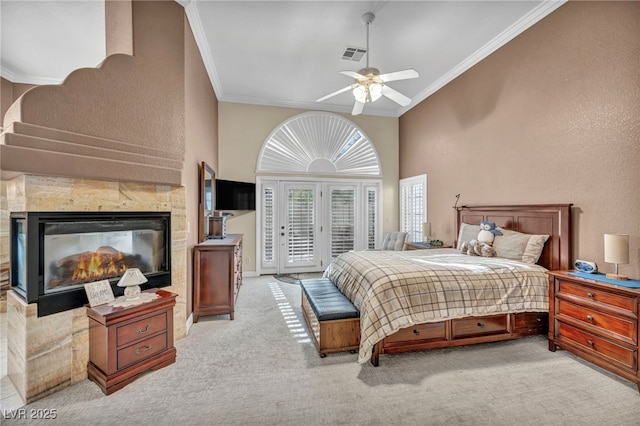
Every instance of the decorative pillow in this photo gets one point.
(467, 233)
(518, 246)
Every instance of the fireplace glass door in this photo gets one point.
(54, 254)
(75, 255)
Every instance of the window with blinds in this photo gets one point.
(372, 207)
(268, 225)
(301, 225)
(342, 221)
(413, 206)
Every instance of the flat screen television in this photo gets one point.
(233, 195)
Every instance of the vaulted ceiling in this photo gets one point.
(282, 53)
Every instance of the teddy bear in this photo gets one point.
(483, 245)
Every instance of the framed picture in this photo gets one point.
(99, 293)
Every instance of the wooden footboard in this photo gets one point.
(463, 331)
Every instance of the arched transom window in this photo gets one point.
(319, 143)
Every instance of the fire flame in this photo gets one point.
(94, 265)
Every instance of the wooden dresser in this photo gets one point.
(126, 342)
(596, 321)
(217, 276)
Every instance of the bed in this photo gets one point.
(423, 299)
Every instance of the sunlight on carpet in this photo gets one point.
(296, 328)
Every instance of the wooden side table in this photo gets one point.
(126, 342)
(596, 321)
(423, 246)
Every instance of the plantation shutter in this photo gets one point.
(343, 202)
(301, 221)
(372, 210)
(413, 202)
(268, 225)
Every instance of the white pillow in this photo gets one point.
(518, 246)
(467, 233)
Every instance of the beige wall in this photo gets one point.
(244, 128)
(553, 116)
(201, 134)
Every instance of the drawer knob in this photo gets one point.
(142, 350)
(481, 325)
(140, 330)
(416, 332)
(590, 342)
(589, 294)
(589, 317)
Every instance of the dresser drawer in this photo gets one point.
(622, 327)
(140, 329)
(428, 331)
(596, 345)
(478, 326)
(141, 350)
(596, 295)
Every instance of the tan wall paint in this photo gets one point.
(131, 107)
(244, 128)
(9, 92)
(201, 134)
(553, 116)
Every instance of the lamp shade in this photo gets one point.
(132, 276)
(616, 248)
(426, 229)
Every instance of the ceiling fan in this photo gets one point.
(370, 84)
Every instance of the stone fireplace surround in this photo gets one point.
(50, 353)
(110, 138)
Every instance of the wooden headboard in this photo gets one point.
(542, 219)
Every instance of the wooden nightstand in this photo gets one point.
(423, 246)
(127, 342)
(596, 321)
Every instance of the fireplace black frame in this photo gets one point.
(33, 223)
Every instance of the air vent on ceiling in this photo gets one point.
(353, 53)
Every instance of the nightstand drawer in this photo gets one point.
(595, 295)
(141, 351)
(596, 345)
(141, 329)
(478, 326)
(626, 328)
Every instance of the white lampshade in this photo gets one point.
(375, 90)
(360, 93)
(131, 279)
(426, 232)
(616, 250)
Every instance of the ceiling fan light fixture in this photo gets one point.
(360, 93)
(369, 84)
(375, 91)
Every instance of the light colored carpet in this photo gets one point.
(262, 369)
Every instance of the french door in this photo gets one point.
(302, 225)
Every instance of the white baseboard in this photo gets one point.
(249, 274)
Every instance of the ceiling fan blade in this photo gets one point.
(337, 92)
(357, 108)
(399, 75)
(353, 74)
(395, 96)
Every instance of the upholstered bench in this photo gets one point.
(332, 319)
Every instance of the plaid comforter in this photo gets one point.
(397, 289)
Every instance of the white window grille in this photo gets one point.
(413, 206)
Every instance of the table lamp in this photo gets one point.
(616, 250)
(426, 232)
(131, 281)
